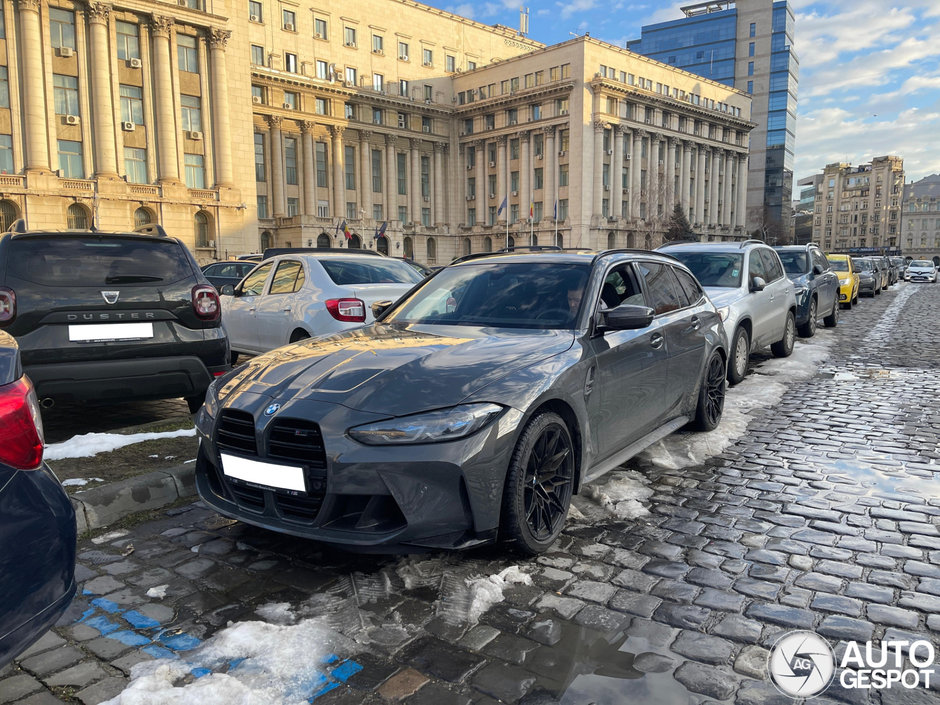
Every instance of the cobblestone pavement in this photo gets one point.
(823, 516)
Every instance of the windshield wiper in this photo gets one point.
(129, 278)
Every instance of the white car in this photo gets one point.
(921, 270)
(299, 295)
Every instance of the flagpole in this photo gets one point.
(507, 223)
(531, 225)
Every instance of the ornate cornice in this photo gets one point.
(161, 26)
(218, 38)
(307, 126)
(274, 121)
(32, 5)
(600, 126)
(336, 131)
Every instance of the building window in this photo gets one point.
(135, 165)
(76, 217)
(350, 155)
(289, 20)
(349, 36)
(750, 86)
(450, 63)
(128, 40)
(262, 207)
(257, 55)
(403, 51)
(322, 166)
(291, 100)
(7, 214)
(323, 69)
(471, 217)
(6, 154)
(426, 177)
(255, 11)
(293, 206)
(3, 30)
(290, 160)
(65, 94)
(319, 28)
(562, 175)
(290, 62)
(323, 209)
(191, 112)
(260, 172)
(257, 94)
(351, 78)
(471, 65)
(536, 112)
(142, 217)
(750, 68)
(403, 88)
(4, 87)
(377, 172)
(489, 121)
(427, 57)
(425, 124)
(351, 214)
(378, 44)
(378, 81)
(62, 28)
(186, 52)
(514, 181)
(195, 171)
(349, 110)
(402, 164)
(514, 148)
(201, 225)
(321, 106)
(753, 30)
(377, 212)
(537, 179)
(432, 250)
(70, 159)
(376, 116)
(403, 216)
(563, 209)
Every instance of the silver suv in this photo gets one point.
(756, 300)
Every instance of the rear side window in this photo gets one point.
(348, 272)
(288, 278)
(88, 261)
(691, 287)
(662, 287)
(771, 264)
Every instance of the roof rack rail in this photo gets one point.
(530, 248)
(151, 229)
(631, 251)
(18, 226)
(751, 241)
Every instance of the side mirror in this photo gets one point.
(817, 269)
(380, 307)
(227, 289)
(625, 317)
(757, 284)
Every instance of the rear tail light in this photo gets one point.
(7, 305)
(21, 437)
(206, 302)
(353, 310)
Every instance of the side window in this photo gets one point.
(820, 259)
(661, 287)
(224, 270)
(285, 277)
(254, 284)
(772, 264)
(689, 285)
(620, 287)
(755, 266)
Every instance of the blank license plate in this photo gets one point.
(110, 331)
(284, 477)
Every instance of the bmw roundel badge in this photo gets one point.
(272, 409)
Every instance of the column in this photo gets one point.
(34, 98)
(652, 175)
(310, 176)
(438, 212)
(365, 172)
(550, 161)
(740, 206)
(502, 164)
(103, 110)
(700, 185)
(339, 172)
(685, 176)
(168, 161)
(525, 169)
(221, 124)
(481, 201)
(391, 187)
(414, 154)
(713, 197)
(598, 168)
(671, 174)
(616, 179)
(635, 167)
(279, 205)
(726, 200)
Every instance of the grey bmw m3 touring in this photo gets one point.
(472, 409)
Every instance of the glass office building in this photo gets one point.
(746, 44)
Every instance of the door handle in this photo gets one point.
(285, 310)
(695, 323)
(656, 340)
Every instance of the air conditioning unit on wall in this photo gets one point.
(66, 52)
(193, 135)
(127, 126)
(71, 119)
(134, 63)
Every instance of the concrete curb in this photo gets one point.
(102, 506)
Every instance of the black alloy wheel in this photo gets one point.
(539, 485)
(711, 396)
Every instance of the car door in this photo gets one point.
(238, 311)
(760, 303)
(780, 289)
(275, 315)
(627, 382)
(828, 282)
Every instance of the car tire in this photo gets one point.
(784, 346)
(234, 358)
(740, 356)
(808, 329)
(832, 320)
(533, 512)
(711, 395)
(195, 403)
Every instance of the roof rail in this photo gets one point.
(18, 226)
(631, 251)
(274, 251)
(151, 229)
(752, 241)
(530, 248)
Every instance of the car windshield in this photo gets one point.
(839, 265)
(377, 270)
(543, 295)
(863, 264)
(921, 263)
(794, 262)
(721, 269)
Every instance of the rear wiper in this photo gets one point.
(128, 278)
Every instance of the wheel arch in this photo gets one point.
(568, 415)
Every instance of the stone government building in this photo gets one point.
(245, 124)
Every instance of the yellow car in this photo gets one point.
(848, 279)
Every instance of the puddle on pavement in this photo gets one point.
(883, 482)
(585, 666)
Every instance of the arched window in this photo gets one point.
(324, 240)
(201, 222)
(8, 214)
(559, 240)
(354, 242)
(487, 244)
(631, 241)
(432, 251)
(511, 242)
(77, 217)
(611, 241)
(409, 248)
(382, 245)
(142, 217)
(648, 242)
(267, 240)
(467, 246)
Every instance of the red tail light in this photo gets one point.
(7, 305)
(21, 437)
(206, 302)
(353, 310)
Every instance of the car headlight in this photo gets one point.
(844, 282)
(430, 427)
(211, 404)
(724, 312)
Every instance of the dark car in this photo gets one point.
(221, 273)
(869, 276)
(111, 316)
(817, 286)
(37, 522)
(472, 409)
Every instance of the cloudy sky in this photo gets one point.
(869, 69)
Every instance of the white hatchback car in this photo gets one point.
(295, 296)
(921, 270)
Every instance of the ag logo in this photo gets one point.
(801, 664)
(272, 409)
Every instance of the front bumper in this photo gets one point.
(866, 285)
(375, 498)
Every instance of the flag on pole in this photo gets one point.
(555, 211)
(381, 232)
(346, 231)
(531, 209)
(502, 206)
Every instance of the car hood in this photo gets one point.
(394, 370)
(723, 296)
(920, 270)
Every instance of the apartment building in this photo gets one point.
(920, 219)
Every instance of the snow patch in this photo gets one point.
(158, 592)
(111, 535)
(621, 494)
(90, 444)
(486, 592)
(277, 612)
(80, 481)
